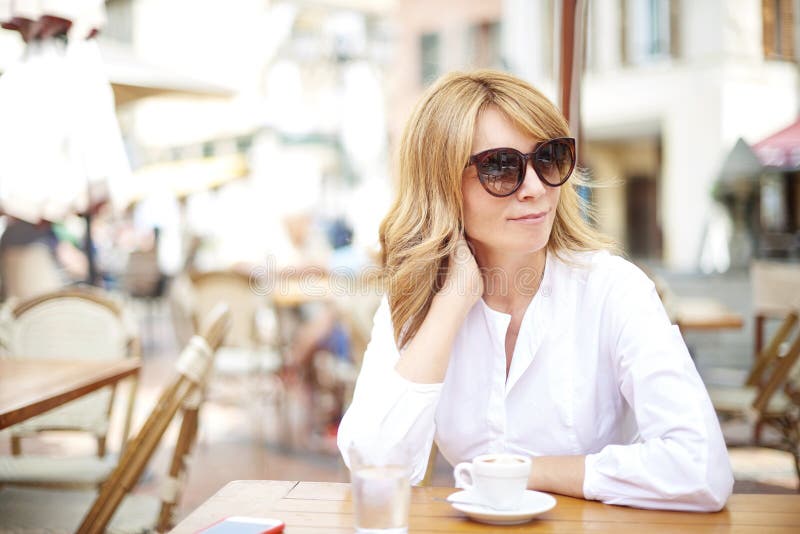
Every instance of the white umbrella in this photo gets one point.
(58, 130)
(37, 19)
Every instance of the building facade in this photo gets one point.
(668, 88)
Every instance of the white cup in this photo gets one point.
(498, 480)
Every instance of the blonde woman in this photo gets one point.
(510, 326)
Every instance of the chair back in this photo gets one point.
(768, 355)
(775, 286)
(73, 323)
(233, 288)
(431, 467)
(779, 373)
(142, 277)
(183, 393)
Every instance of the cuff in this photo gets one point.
(590, 477)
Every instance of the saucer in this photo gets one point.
(533, 504)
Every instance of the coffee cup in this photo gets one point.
(498, 480)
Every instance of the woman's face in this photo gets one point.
(519, 223)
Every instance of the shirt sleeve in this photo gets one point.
(681, 461)
(389, 415)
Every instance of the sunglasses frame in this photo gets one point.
(477, 158)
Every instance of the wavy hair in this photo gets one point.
(426, 219)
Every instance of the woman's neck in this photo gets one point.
(510, 280)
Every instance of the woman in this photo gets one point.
(510, 327)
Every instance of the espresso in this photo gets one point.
(503, 461)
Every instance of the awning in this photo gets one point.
(133, 79)
(184, 177)
(781, 150)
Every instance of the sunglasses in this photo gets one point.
(502, 170)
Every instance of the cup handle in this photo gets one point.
(464, 475)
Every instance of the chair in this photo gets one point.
(143, 281)
(431, 467)
(769, 394)
(78, 323)
(113, 507)
(776, 290)
(248, 361)
(142, 277)
(249, 346)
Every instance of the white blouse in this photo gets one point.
(597, 370)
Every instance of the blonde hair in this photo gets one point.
(426, 220)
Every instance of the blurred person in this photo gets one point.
(309, 247)
(110, 251)
(510, 326)
(321, 344)
(143, 277)
(28, 260)
(71, 256)
(321, 329)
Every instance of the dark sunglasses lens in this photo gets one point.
(500, 171)
(554, 161)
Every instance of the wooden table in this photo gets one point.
(31, 387)
(294, 291)
(697, 313)
(325, 507)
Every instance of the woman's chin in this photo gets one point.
(523, 246)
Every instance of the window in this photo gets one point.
(777, 18)
(773, 203)
(429, 57)
(649, 30)
(119, 21)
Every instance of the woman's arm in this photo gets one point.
(396, 394)
(680, 461)
(558, 474)
(426, 357)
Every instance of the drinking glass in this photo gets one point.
(381, 491)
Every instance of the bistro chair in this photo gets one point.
(248, 361)
(74, 323)
(144, 283)
(771, 391)
(250, 344)
(775, 291)
(114, 508)
(431, 467)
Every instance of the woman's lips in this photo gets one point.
(531, 218)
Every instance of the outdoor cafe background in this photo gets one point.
(243, 134)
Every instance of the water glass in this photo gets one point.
(381, 492)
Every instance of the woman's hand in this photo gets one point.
(463, 283)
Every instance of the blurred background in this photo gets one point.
(146, 145)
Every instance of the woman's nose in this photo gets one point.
(532, 186)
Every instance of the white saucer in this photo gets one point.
(533, 504)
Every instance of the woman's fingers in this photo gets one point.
(463, 276)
